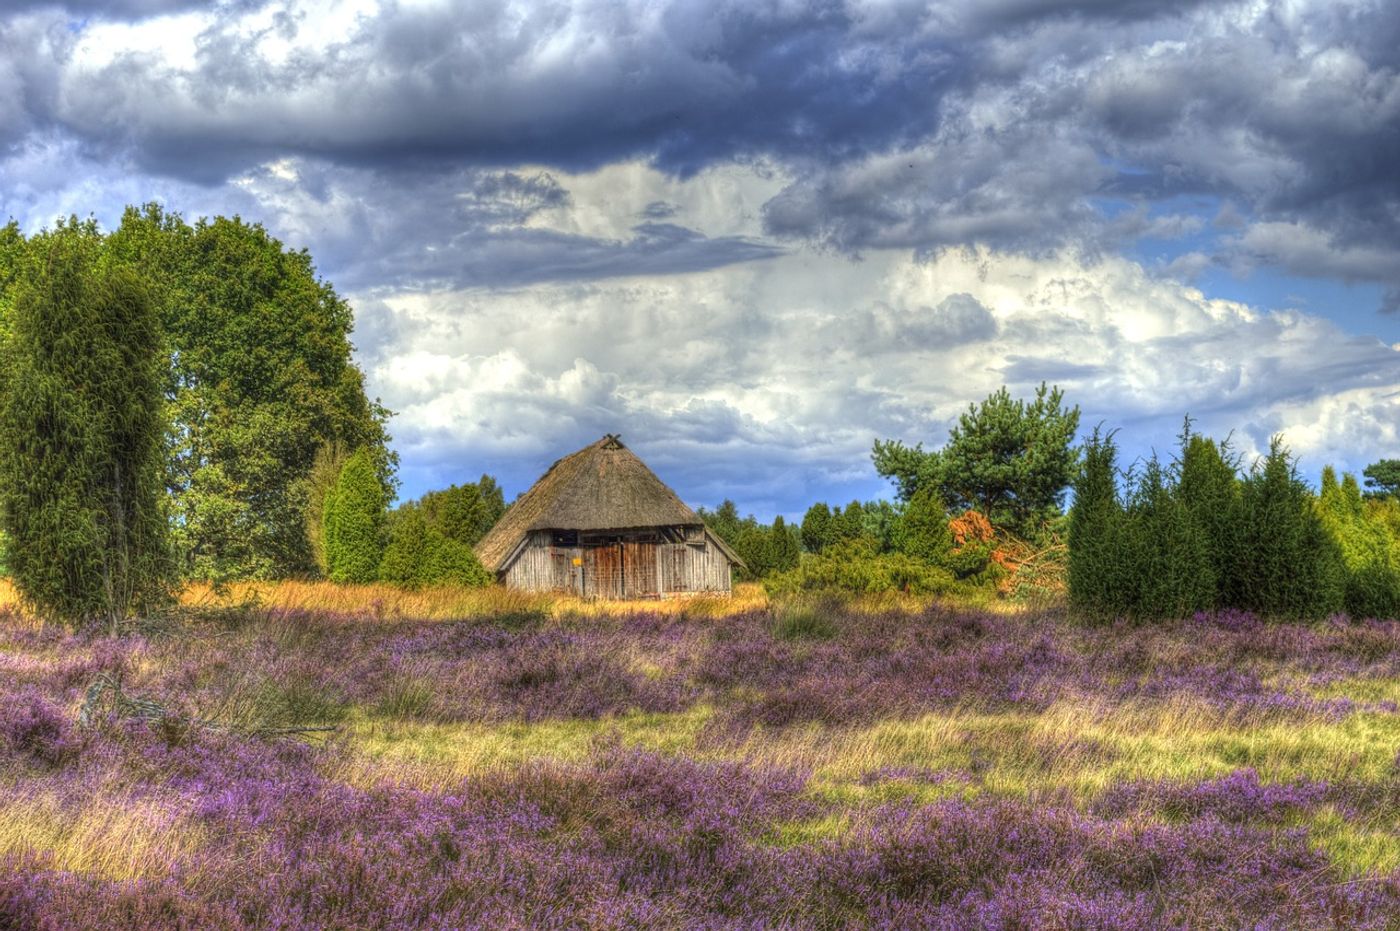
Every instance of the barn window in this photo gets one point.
(565, 538)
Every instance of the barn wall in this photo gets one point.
(631, 570)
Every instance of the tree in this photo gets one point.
(817, 530)
(1010, 459)
(922, 531)
(465, 512)
(354, 519)
(1383, 478)
(1168, 560)
(1096, 523)
(81, 433)
(325, 469)
(1207, 484)
(1366, 543)
(260, 379)
(784, 546)
(1286, 564)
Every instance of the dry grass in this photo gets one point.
(123, 841)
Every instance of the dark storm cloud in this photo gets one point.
(1008, 123)
(575, 87)
(127, 9)
(468, 229)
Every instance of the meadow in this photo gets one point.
(303, 756)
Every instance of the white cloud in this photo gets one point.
(761, 382)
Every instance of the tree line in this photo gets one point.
(1202, 532)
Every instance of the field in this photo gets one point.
(301, 756)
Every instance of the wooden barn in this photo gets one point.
(600, 524)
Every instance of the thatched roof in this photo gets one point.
(603, 486)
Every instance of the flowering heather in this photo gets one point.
(938, 768)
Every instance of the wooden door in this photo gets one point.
(639, 578)
(602, 571)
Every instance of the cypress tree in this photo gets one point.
(81, 434)
(354, 519)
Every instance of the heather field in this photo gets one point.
(312, 757)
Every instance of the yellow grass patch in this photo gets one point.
(111, 838)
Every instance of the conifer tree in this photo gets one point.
(784, 549)
(81, 434)
(1097, 582)
(1168, 560)
(1286, 564)
(817, 530)
(354, 519)
(922, 531)
(1207, 484)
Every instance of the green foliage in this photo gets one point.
(465, 512)
(764, 548)
(817, 530)
(1206, 539)
(1171, 571)
(922, 530)
(1383, 478)
(260, 379)
(856, 566)
(824, 526)
(1286, 564)
(1099, 568)
(81, 431)
(1010, 459)
(420, 554)
(325, 469)
(354, 521)
(1367, 544)
(1208, 486)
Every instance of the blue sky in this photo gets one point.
(752, 237)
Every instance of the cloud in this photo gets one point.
(768, 382)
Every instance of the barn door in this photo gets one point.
(639, 577)
(602, 575)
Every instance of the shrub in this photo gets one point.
(857, 567)
(419, 554)
(82, 436)
(1207, 485)
(32, 726)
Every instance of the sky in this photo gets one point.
(753, 237)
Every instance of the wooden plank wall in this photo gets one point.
(629, 570)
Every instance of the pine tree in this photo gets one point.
(81, 434)
(354, 519)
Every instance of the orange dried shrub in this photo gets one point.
(971, 526)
